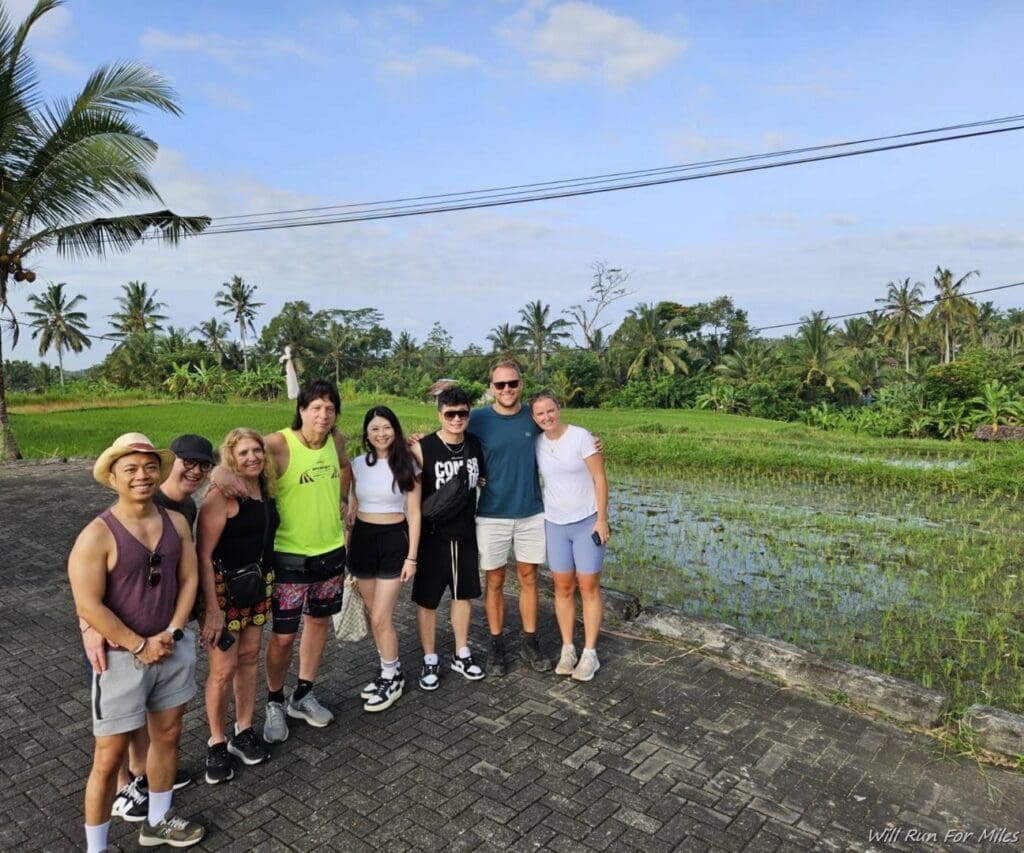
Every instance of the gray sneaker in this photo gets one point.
(566, 661)
(308, 709)
(275, 727)
(588, 665)
(173, 831)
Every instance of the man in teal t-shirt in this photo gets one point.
(510, 513)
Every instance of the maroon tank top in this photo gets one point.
(144, 606)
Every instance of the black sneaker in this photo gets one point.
(388, 692)
(131, 803)
(496, 665)
(248, 746)
(371, 688)
(430, 678)
(218, 764)
(529, 651)
(182, 779)
(468, 667)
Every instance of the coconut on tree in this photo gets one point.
(65, 166)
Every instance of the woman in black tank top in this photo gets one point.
(235, 533)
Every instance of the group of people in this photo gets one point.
(269, 543)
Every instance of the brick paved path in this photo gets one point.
(662, 751)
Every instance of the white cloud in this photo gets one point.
(577, 41)
(229, 100)
(843, 219)
(429, 60)
(221, 48)
(47, 35)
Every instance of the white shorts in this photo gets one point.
(497, 537)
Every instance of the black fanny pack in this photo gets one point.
(245, 585)
(320, 568)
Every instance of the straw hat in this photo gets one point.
(130, 442)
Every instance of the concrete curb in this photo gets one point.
(995, 730)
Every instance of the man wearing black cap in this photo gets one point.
(192, 463)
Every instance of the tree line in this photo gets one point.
(915, 366)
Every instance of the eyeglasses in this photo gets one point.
(155, 559)
(509, 383)
(201, 464)
(452, 414)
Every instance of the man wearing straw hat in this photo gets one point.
(133, 576)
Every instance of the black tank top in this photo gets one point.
(441, 462)
(244, 539)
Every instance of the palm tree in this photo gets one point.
(903, 308)
(237, 301)
(138, 314)
(539, 334)
(64, 165)
(506, 341)
(951, 309)
(752, 361)
(1014, 334)
(648, 339)
(818, 360)
(405, 350)
(987, 323)
(58, 324)
(215, 333)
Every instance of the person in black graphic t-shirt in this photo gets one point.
(447, 553)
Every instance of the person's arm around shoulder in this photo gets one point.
(595, 464)
(87, 572)
(188, 575)
(213, 515)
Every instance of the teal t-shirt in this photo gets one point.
(510, 465)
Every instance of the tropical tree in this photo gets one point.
(506, 342)
(996, 404)
(215, 334)
(752, 361)
(540, 334)
(237, 301)
(987, 324)
(1013, 334)
(817, 360)
(648, 340)
(952, 310)
(58, 324)
(608, 287)
(64, 165)
(903, 310)
(404, 351)
(138, 314)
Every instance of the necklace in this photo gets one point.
(453, 450)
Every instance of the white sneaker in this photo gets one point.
(567, 661)
(588, 665)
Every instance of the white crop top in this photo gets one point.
(376, 489)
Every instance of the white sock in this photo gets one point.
(159, 805)
(430, 660)
(464, 652)
(96, 837)
(569, 648)
(591, 651)
(389, 668)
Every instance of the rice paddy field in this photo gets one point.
(901, 555)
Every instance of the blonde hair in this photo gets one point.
(268, 479)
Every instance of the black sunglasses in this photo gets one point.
(452, 414)
(155, 559)
(197, 463)
(509, 383)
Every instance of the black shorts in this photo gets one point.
(377, 550)
(445, 564)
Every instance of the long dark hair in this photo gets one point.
(399, 457)
(315, 390)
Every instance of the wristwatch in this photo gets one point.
(176, 633)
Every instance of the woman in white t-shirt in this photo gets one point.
(385, 508)
(576, 527)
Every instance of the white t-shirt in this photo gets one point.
(569, 493)
(376, 489)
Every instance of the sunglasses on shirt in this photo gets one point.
(508, 383)
(155, 559)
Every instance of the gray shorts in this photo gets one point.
(128, 688)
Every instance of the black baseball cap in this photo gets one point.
(193, 447)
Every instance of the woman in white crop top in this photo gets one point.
(385, 503)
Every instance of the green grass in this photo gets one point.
(901, 555)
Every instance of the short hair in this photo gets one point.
(509, 363)
(545, 394)
(268, 477)
(452, 397)
(317, 389)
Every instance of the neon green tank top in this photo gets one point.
(309, 500)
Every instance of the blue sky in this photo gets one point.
(300, 104)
